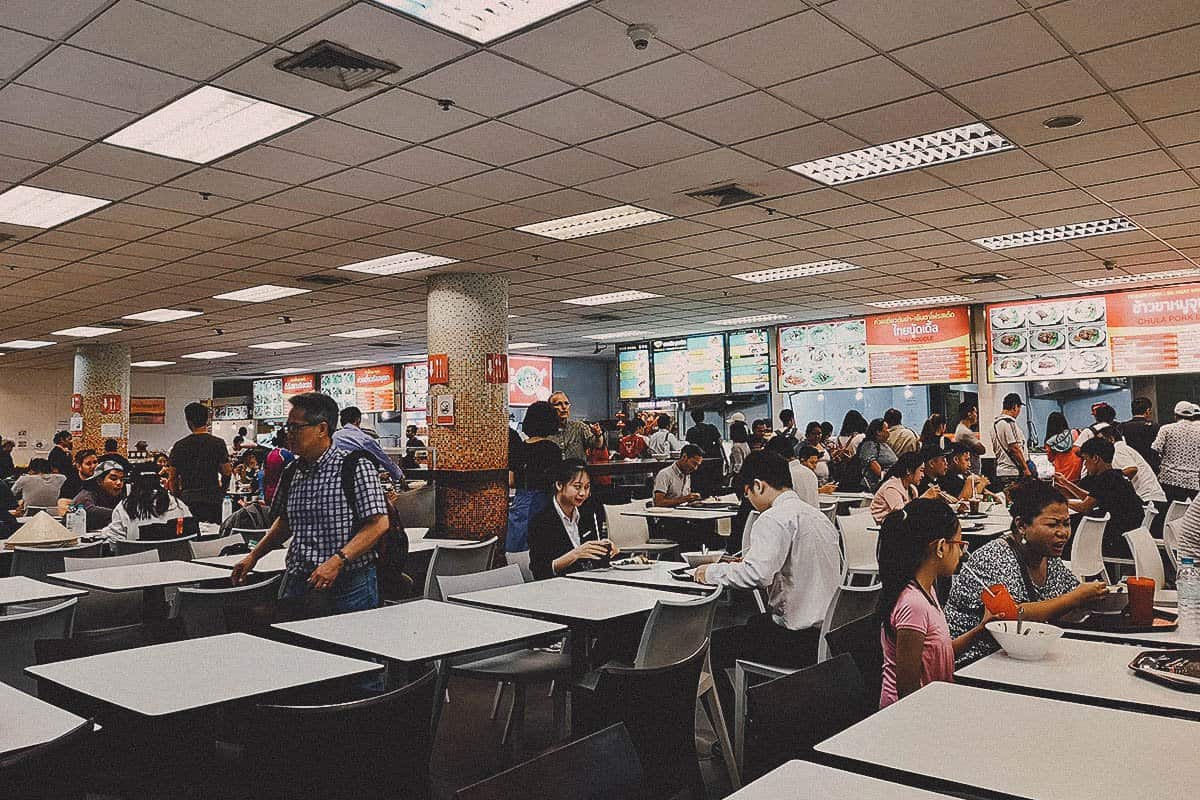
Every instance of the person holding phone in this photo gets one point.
(570, 534)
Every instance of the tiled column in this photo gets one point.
(101, 375)
(468, 319)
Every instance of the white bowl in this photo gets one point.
(1032, 644)
(695, 558)
(662, 456)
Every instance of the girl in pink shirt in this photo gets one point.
(918, 544)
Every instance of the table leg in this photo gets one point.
(739, 715)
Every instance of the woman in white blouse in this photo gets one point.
(148, 504)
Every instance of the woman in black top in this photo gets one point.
(569, 534)
(531, 463)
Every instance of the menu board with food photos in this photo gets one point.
(929, 345)
(267, 395)
(1143, 332)
(749, 361)
(689, 366)
(633, 369)
(340, 386)
(416, 386)
(298, 384)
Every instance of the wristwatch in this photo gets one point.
(342, 556)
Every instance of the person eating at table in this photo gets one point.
(149, 512)
(875, 455)
(814, 437)
(1028, 562)
(957, 480)
(899, 486)
(673, 485)
(1104, 490)
(805, 480)
(569, 535)
(86, 461)
(100, 495)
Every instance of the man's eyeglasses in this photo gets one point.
(965, 545)
(295, 427)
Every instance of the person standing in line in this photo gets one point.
(662, 442)
(350, 437)
(573, 437)
(710, 476)
(60, 455)
(1061, 447)
(276, 460)
(740, 437)
(966, 433)
(1140, 430)
(1008, 442)
(901, 439)
(632, 444)
(199, 463)
(1178, 448)
(333, 530)
(412, 443)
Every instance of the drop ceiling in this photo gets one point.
(568, 118)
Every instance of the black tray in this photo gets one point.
(1164, 622)
(978, 515)
(1178, 669)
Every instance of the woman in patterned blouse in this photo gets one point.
(1028, 561)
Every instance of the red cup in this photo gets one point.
(1141, 600)
(999, 601)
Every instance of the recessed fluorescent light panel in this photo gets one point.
(602, 221)
(401, 262)
(353, 362)
(208, 123)
(939, 300)
(162, 315)
(151, 363)
(917, 152)
(206, 355)
(749, 320)
(1117, 280)
(611, 297)
(260, 294)
(84, 331)
(796, 271)
(43, 208)
(286, 371)
(1058, 233)
(602, 337)
(278, 345)
(25, 344)
(365, 333)
(481, 21)
(525, 345)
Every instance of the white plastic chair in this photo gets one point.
(459, 560)
(1171, 541)
(1146, 561)
(830, 510)
(18, 632)
(1148, 515)
(858, 546)
(1175, 510)
(211, 548)
(521, 560)
(847, 604)
(1087, 559)
(632, 534)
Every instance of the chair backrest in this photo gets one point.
(787, 716)
(38, 562)
(459, 560)
(18, 632)
(829, 510)
(1146, 560)
(860, 640)
(371, 748)
(202, 610)
(509, 575)
(675, 629)
(93, 643)
(143, 557)
(601, 766)
(1148, 515)
(1171, 540)
(177, 549)
(1087, 560)
(1176, 509)
(849, 603)
(625, 531)
(521, 561)
(858, 543)
(209, 548)
(249, 534)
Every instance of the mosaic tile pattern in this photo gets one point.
(101, 369)
(472, 504)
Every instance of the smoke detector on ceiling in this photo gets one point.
(335, 65)
(984, 277)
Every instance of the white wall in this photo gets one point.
(39, 402)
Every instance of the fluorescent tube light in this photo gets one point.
(44, 208)
(151, 363)
(353, 362)
(796, 271)
(525, 345)
(1057, 233)
(162, 315)
(939, 300)
(278, 345)
(260, 294)
(286, 371)
(917, 152)
(481, 21)
(602, 221)
(601, 337)
(401, 262)
(84, 331)
(205, 355)
(25, 344)
(365, 333)
(1117, 280)
(749, 320)
(206, 124)
(611, 297)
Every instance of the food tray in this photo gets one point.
(1164, 622)
(1178, 669)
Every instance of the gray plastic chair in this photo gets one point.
(203, 610)
(101, 610)
(143, 557)
(460, 560)
(177, 549)
(211, 548)
(521, 560)
(18, 632)
(848, 604)
(38, 562)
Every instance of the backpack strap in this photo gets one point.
(349, 467)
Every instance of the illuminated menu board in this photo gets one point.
(340, 386)
(749, 361)
(633, 368)
(298, 384)
(268, 398)
(688, 366)
(1145, 332)
(375, 388)
(931, 345)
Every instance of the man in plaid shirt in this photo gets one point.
(329, 552)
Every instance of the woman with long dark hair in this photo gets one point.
(918, 545)
(531, 465)
(569, 535)
(933, 433)
(899, 486)
(875, 454)
(148, 503)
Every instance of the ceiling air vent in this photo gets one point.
(385, 344)
(336, 66)
(728, 195)
(984, 277)
(324, 280)
(599, 317)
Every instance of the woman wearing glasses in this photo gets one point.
(1028, 561)
(918, 544)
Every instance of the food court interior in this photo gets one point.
(580, 282)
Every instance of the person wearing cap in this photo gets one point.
(1008, 442)
(148, 504)
(938, 475)
(100, 495)
(1178, 448)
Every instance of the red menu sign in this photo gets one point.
(299, 384)
(376, 388)
(530, 378)
(1155, 330)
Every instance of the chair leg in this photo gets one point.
(440, 691)
(550, 692)
(514, 727)
(496, 700)
(560, 710)
(716, 718)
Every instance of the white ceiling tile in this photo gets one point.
(871, 82)
(1175, 96)
(271, 18)
(59, 114)
(1098, 113)
(576, 117)
(227, 184)
(688, 24)
(336, 142)
(366, 184)
(313, 201)
(18, 50)
(917, 115)
(1035, 87)
(1009, 44)
(99, 79)
(671, 86)
(275, 164)
(496, 143)
(52, 20)
(88, 184)
(803, 144)
(487, 84)
(425, 165)
(750, 116)
(501, 185)
(649, 144)
(16, 170)
(1094, 146)
(121, 162)
(1146, 60)
(894, 23)
(1181, 129)
(437, 200)
(568, 167)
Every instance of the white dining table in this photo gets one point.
(273, 561)
(1180, 637)
(656, 575)
(1029, 747)
(1083, 671)
(797, 779)
(26, 721)
(680, 512)
(149, 575)
(569, 601)
(21, 589)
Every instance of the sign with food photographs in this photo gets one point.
(633, 366)
(416, 386)
(1146, 332)
(340, 386)
(267, 395)
(930, 345)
